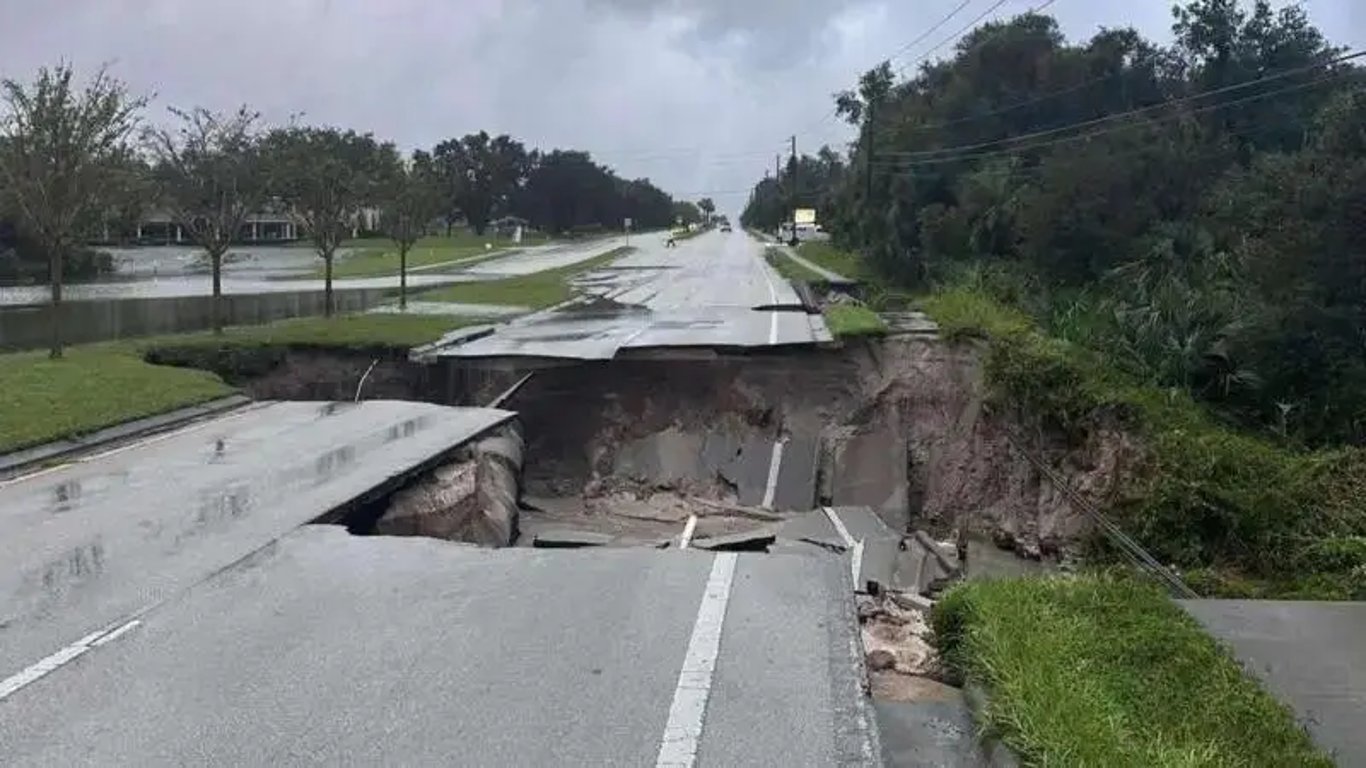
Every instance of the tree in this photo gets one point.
(325, 176)
(482, 175)
(208, 176)
(56, 156)
(411, 198)
(686, 213)
(707, 207)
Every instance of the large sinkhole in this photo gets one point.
(625, 452)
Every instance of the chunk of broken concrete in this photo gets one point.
(881, 659)
(750, 541)
(567, 539)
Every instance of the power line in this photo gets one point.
(929, 31)
(1130, 113)
(914, 163)
(957, 9)
(1155, 54)
(962, 31)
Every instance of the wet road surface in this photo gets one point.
(331, 649)
(714, 290)
(99, 540)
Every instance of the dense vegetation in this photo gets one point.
(1195, 210)
(1173, 237)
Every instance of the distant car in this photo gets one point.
(725, 227)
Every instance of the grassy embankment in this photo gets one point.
(1099, 671)
(843, 263)
(843, 320)
(1241, 514)
(535, 291)
(98, 385)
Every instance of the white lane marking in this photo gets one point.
(688, 529)
(775, 463)
(683, 732)
(839, 526)
(43, 667)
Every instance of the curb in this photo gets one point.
(15, 463)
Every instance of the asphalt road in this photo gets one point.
(714, 290)
(95, 542)
(331, 649)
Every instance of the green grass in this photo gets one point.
(1104, 671)
(43, 400)
(376, 256)
(98, 385)
(843, 263)
(849, 320)
(536, 291)
(344, 331)
(1243, 515)
(790, 269)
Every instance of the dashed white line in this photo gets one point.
(40, 669)
(683, 732)
(775, 463)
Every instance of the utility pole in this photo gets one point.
(794, 188)
(778, 180)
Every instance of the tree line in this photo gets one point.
(1197, 211)
(76, 158)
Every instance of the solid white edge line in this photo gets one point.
(683, 732)
(772, 300)
(45, 666)
(688, 528)
(775, 463)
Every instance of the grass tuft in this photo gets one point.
(848, 320)
(1105, 671)
(844, 263)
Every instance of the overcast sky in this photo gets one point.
(695, 94)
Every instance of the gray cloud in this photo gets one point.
(695, 94)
